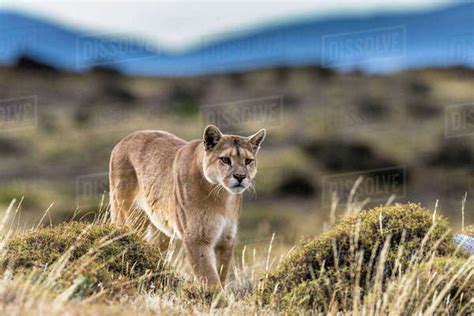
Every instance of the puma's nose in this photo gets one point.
(240, 176)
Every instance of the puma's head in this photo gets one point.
(230, 160)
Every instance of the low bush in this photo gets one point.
(296, 184)
(87, 259)
(359, 252)
(185, 101)
(341, 155)
(452, 155)
(372, 108)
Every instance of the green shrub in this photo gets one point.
(323, 271)
(96, 258)
(185, 101)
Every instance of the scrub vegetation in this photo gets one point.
(398, 259)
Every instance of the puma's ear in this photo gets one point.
(257, 139)
(211, 137)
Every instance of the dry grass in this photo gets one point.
(428, 285)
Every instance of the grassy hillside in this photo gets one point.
(325, 130)
(399, 260)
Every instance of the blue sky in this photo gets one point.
(177, 25)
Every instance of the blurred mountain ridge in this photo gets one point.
(377, 44)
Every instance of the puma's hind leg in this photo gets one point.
(123, 190)
(156, 238)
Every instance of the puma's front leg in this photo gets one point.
(201, 256)
(224, 252)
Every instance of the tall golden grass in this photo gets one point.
(426, 291)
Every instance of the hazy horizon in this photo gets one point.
(180, 25)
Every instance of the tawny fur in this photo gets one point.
(188, 191)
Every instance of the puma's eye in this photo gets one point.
(248, 161)
(225, 160)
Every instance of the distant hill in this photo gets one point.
(378, 43)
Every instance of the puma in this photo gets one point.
(189, 190)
